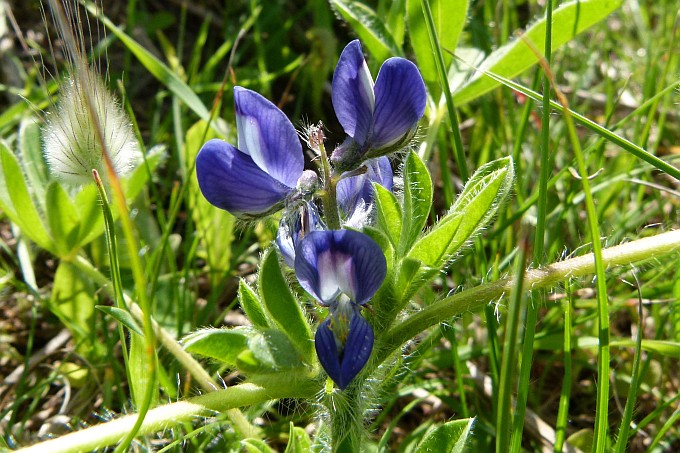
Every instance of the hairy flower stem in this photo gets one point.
(475, 298)
(346, 419)
(330, 204)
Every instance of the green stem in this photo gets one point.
(163, 417)
(509, 359)
(539, 246)
(347, 417)
(476, 298)
(458, 151)
(329, 196)
(112, 245)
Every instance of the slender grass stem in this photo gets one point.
(539, 247)
(458, 151)
(112, 245)
(602, 409)
(565, 393)
(509, 359)
(624, 428)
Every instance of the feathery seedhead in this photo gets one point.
(71, 141)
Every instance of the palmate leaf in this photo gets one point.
(569, 19)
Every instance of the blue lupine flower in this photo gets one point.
(355, 193)
(377, 118)
(343, 343)
(256, 178)
(294, 226)
(342, 269)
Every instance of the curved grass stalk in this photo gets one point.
(162, 417)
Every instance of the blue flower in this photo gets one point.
(294, 226)
(377, 118)
(256, 178)
(355, 193)
(344, 342)
(341, 269)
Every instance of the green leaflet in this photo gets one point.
(282, 306)
(17, 203)
(417, 201)
(449, 437)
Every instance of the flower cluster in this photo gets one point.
(341, 269)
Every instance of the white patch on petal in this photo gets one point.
(366, 85)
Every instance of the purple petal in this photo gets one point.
(293, 227)
(352, 190)
(357, 349)
(399, 101)
(352, 93)
(327, 350)
(343, 362)
(230, 180)
(333, 262)
(268, 137)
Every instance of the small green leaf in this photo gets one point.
(449, 18)
(298, 440)
(269, 351)
(139, 372)
(257, 446)
(16, 201)
(417, 201)
(449, 437)
(72, 302)
(248, 349)
(474, 207)
(432, 249)
(224, 345)
(388, 214)
(282, 306)
(30, 147)
(569, 19)
(480, 199)
(122, 316)
(251, 305)
(63, 219)
(370, 28)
